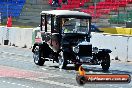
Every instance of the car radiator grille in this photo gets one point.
(85, 50)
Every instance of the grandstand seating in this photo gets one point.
(102, 7)
(11, 8)
(121, 18)
(71, 4)
(105, 7)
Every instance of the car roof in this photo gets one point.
(65, 13)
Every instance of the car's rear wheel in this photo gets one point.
(38, 60)
(106, 62)
(81, 80)
(62, 61)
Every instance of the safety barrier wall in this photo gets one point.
(3, 34)
(130, 49)
(121, 46)
(0, 35)
(124, 31)
(21, 37)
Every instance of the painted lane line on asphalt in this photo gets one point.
(4, 81)
(17, 55)
(58, 75)
(8, 82)
(55, 83)
(25, 61)
(16, 59)
(61, 84)
(44, 69)
(14, 54)
(17, 84)
(13, 83)
(23, 85)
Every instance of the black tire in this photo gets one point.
(81, 80)
(106, 62)
(62, 61)
(38, 60)
(77, 66)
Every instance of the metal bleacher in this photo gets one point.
(11, 8)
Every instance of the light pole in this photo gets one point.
(128, 45)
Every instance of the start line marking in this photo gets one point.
(12, 83)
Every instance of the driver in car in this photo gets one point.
(64, 29)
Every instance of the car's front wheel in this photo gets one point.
(106, 62)
(81, 80)
(38, 60)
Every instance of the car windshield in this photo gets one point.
(74, 25)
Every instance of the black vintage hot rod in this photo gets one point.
(65, 38)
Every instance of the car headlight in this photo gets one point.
(95, 49)
(76, 49)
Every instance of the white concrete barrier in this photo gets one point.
(120, 45)
(130, 49)
(3, 34)
(28, 36)
(12, 36)
(21, 37)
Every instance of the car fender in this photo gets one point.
(34, 46)
(104, 51)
